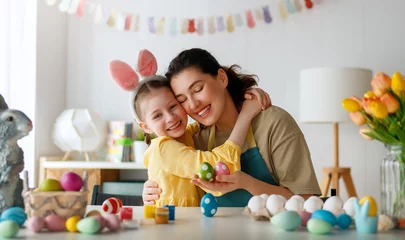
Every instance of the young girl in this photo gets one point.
(171, 158)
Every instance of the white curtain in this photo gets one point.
(18, 20)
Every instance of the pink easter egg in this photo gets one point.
(112, 205)
(102, 221)
(70, 181)
(221, 169)
(35, 224)
(55, 223)
(112, 221)
(305, 216)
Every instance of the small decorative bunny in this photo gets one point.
(14, 125)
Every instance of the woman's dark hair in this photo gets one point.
(201, 59)
(152, 83)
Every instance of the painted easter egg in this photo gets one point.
(16, 214)
(50, 185)
(221, 169)
(55, 223)
(274, 204)
(344, 221)
(256, 203)
(147, 64)
(287, 220)
(71, 224)
(373, 205)
(88, 225)
(318, 226)
(112, 222)
(206, 172)
(102, 221)
(35, 224)
(209, 205)
(305, 216)
(112, 205)
(325, 216)
(71, 181)
(349, 206)
(8, 229)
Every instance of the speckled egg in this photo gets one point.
(294, 204)
(256, 203)
(35, 224)
(206, 172)
(348, 206)
(318, 226)
(221, 169)
(88, 225)
(344, 221)
(16, 214)
(274, 204)
(112, 222)
(209, 205)
(305, 216)
(325, 216)
(288, 220)
(71, 181)
(8, 228)
(71, 223)
(55, 223)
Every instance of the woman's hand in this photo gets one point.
(223, 183)
(151, 192)
(262, 97)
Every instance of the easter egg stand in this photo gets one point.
(62, 203)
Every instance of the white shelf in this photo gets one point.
(47, 163)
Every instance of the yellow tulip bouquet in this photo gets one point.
(382, 111)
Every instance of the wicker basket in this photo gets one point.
(64, 204)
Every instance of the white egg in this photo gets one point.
(311, 205)
(256, 203)
(333, 203)
(282, 198)
(349, 206)
(294, 204)
(274, 204)
(264, 196)
(300, 198)
(318, 200)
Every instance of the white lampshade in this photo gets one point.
(322, 91)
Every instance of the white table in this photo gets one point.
(227, 224)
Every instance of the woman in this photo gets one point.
(275, 158)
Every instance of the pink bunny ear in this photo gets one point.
(123, 75)
(147, 63)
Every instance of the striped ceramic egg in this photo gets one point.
(112, 205)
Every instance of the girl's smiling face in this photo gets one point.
(162, 114)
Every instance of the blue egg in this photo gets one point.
(324, 215)
(344, 221)
(209, 205)
(16, 214)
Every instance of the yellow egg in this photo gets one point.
(373, 205)
(71, 223)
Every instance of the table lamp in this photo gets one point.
(321, 94)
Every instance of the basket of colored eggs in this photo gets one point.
(64, 198)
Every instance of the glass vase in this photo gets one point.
(393, 183)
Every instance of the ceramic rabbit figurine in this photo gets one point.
(14, 125)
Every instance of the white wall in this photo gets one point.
(345, 33)
(51, 77)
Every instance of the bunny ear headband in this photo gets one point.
(128, 79)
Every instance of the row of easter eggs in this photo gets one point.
(89, 225)
(208, 173)
(277, 203)
(69, 181)
(11, 221)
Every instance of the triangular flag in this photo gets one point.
(64, 5)
(120, 22)
(128, 21)
(173, 26)
(161, 26)
(211, 25)
(200, 26)
(249, 19)
(297, 5)
(290, 6)
(80, 9)
(112, 19)
(220, 24)
(283, 11)
(184, 26)
(74, 5)
(151, 25)
(259, 14)
(135, 23)
(230, 27)
(238, 19)
(191, 26)
(266, 14)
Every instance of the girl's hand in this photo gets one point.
(250, 109)
(223, 183)
(151, 192)
(261, 96)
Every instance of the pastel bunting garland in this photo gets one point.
(173, 26)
